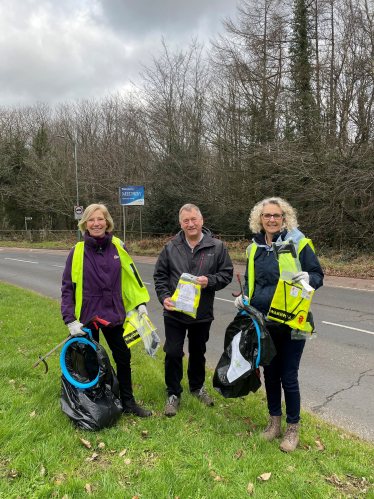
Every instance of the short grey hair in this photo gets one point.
(189, 207)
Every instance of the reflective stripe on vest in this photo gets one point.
(251, 250)
(133, 290)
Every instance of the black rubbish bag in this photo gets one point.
(236, 373)
(96, 407)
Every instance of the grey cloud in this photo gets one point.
(57, 51)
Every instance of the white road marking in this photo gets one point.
(147, 283)
(61, 266)
(15, 259)
(347, 287)
(224, 299)
(347, 327)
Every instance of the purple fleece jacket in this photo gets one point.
(102, 294)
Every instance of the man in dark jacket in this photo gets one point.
(193, 250)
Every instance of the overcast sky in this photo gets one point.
(61, 50)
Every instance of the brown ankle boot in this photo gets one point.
(274, 428)
(291, 438)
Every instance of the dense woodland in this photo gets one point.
(281, 103)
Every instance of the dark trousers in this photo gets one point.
(283, 372)
(122, 357)
(175, 334)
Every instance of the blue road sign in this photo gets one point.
(132, 195)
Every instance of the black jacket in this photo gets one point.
(210, 258)
(267, 271)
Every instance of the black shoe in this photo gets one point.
(131, 407)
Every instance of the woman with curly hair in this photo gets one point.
(274, 220)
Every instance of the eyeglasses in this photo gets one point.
(93, 220)
(192, 220)
(268, 216)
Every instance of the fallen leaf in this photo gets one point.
(135, 497)
(218, 479)
(212, 473)
(254, 427)
(216, 452)
(319, 444)
(122, 453)
(250, 488)
(144, 433)
(101, 445)
(122, 484)
(113, 452)
(11, 381)
(65, 497)
(86, 443)
(42, 471)
(88, 488)
(197, 431)
(136, 473)
(92, 458)
(127, 461)
(239, 454)
(264, 477)
(32, 414)
(210, 463)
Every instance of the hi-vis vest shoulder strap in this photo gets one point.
(251, 251)
(133, 290)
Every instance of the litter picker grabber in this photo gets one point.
(241, 288)
(94, 320)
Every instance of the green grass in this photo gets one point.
(179, 457)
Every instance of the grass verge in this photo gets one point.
(201, 453)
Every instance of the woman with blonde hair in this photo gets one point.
(101, 279)
(274, 220)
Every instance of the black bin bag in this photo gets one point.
(247, 346)
(89, 386)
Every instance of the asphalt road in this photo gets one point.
(337, 368)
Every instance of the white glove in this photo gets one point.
(301, 276)
(75, 328)
(239, 301)
(142, 309)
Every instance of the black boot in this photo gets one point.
(131, 407)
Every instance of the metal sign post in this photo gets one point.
(131, 195)
(27, 218)
(78, 214)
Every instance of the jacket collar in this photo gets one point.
(92, 242)
(207, 240)
(260, 241)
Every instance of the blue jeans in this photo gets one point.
(283, 372)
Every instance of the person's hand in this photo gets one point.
(239, 301)
(301, 276)
(142, 309)
(75, 329)
(168, 305)
(203, 281)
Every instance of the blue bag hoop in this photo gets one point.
(258, 335)
(65, 372)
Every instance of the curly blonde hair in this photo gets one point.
(289, 214)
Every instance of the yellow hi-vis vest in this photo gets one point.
(251, 251)
(133, 290)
